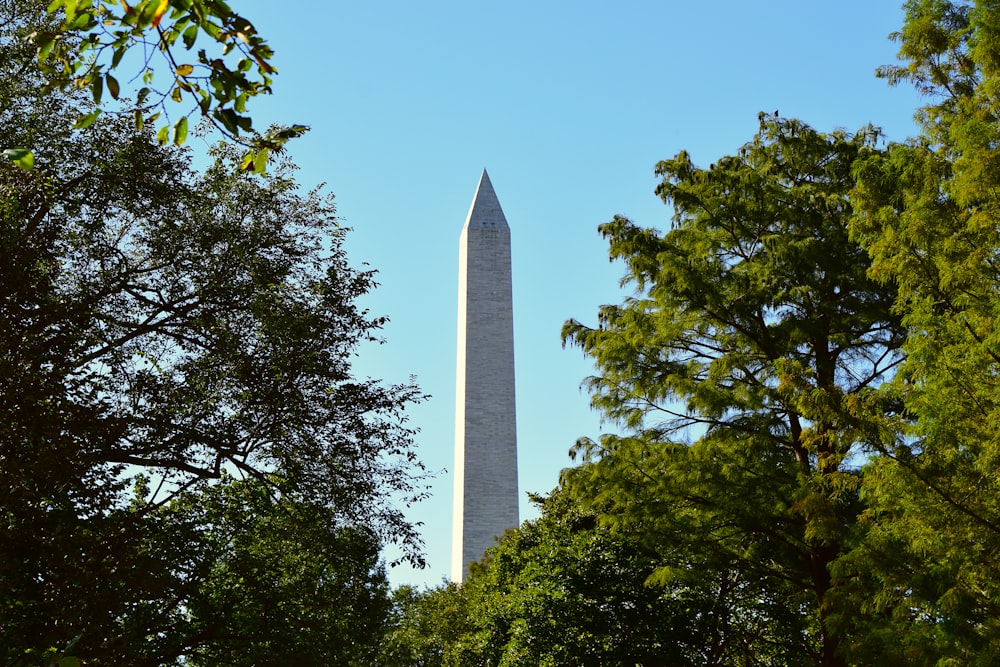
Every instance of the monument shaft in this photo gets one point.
(486, 495)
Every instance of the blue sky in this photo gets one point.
(569, 107)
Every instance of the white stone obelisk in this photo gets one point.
(485, 426)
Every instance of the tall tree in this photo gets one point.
(929, 214)
(184, 327)
(742, 369)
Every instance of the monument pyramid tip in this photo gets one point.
(485, 210)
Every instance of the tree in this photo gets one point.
(182, 327)
(429, 628)
(277, 581)
(927, 212)
(745, 369)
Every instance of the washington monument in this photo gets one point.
(485, 426)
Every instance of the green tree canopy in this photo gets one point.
(274, 581)
(744, 368)
(187, 329)
(928, 214)
(561, 590)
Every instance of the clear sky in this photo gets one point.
(568, 106)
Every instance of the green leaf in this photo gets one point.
(117, 55)
(87, 120)
(184, 70)
(213, 30)
(113, 87)
(180, 130)
(260, 161)
(137, 117)
(83, 22)
(189, 36)
(97, 88)
(247, 163)
(205, 103)
(69, 7)
(163, 135)
(228, 119)
(43, 41)
(22, 157)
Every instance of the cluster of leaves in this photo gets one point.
(191, 471)
(272, 581)
(930, 218)
(563, 591)
(88, 42)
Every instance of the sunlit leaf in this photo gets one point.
(69, 7)
(86, 121)
(22, 157)
(161, 9)
(180, 130)
(247, 163)
(82, 22)
(260, 162)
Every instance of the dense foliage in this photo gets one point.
(190, 468)
(803, 383)
(742, 367)
(930, 219)
(562, 591)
